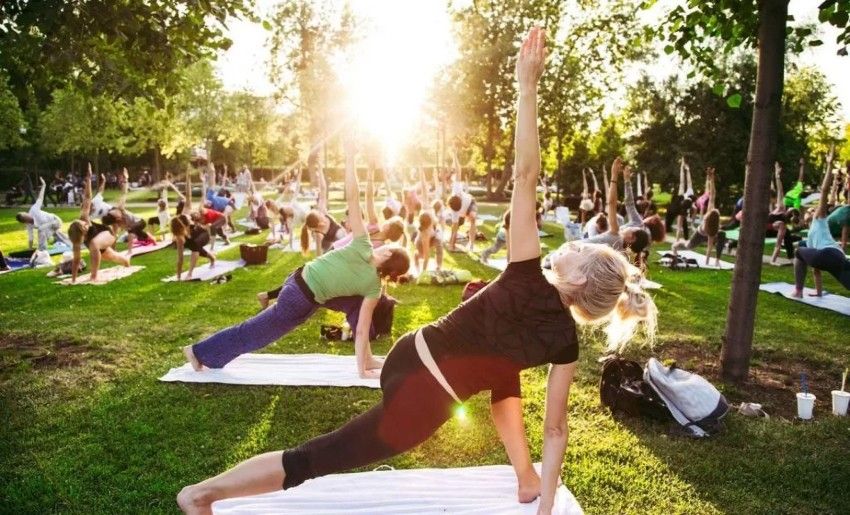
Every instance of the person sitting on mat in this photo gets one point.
(462, 207)
(522, 319)
(357, 269)
(48, 225)
(820, 251)
(318, 223)
(98, 238)
(190, 233)
(709, 230)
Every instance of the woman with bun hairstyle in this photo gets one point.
(356, 269)
(520, 320)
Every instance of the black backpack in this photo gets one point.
(623, 390)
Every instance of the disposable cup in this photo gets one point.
(840, 399)
(805, 405)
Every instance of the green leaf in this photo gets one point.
(839, 18)
(267, 25)
(718, 89)
(734, 101)
(815, 42)
(669, 49)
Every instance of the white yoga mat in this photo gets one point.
(700, 258)
(285, 247)
(829, 301)
(248, 224)
(147, 249)
(104, 276)
(205, 273)
(487, 490)
(218, 248)
(279, 369)
(499, 264)
(485, 217)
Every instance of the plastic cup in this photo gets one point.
(805, 405)
(840, 400)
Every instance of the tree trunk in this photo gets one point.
(740, 317)
(507, 173)
(157, 164)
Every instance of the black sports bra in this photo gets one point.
(93, 230)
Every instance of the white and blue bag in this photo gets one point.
(693, 401)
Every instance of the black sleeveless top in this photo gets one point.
(330, 236)
(515, 322)
(93, 230)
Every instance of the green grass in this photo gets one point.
(89, 429)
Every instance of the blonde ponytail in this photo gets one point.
(633, 307)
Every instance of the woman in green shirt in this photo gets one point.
(356, 269)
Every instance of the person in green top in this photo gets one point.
(794, 197)
(354, 270)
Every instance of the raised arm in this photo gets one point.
(122, 200)
(85, 206)
(187, 205)
(595, 182)
(780, 193)
(613, 223)
(322, 201)
(584, 191)
(371, 214)
(824, 193)
(40, 200)
(629, 198)
(682, 166)
(711, 187)
(524, 240)
(352, 191)
(605, 182)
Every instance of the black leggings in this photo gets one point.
(413, 408)
(197, 243)
(830, 259)
(217, 227)
(138, 229)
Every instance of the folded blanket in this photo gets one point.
(487, 490)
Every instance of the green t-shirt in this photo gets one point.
(794, 197)
(344, 272)
(837, 220)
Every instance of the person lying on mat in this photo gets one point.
(189, 232)
(522, 319)
(48, 225)
(356, 269)
(119, 218)
(820, 251)
(98, 238)
(323, 227)
(708, 232)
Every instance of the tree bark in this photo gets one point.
(507, 173)
(740, 317)
(157, 164)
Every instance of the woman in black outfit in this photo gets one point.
(192, 235)
(522, 319)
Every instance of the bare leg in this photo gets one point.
(472, 232)
(454, 237)
(439, 253)
(190, 357)
(708, 249)
(818, 282)
(193, 260)
(780, 236)
(263, 299)
(116, 257)
(258, 475)
(94, 255)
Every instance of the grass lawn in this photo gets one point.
(87, 428)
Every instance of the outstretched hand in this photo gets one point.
(627, 172)
(531, 59)
(616, 167)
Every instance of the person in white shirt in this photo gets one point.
(462, 207)
(99, 207)
(48, 225)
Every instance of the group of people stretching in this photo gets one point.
(524, 318)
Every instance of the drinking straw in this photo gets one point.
(803, 383)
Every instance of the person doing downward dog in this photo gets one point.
(356, 269)
(190, 233)
(98, 238)
(821, 251)
(520, 320)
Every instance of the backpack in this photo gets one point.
(623, 390)
(692, 401)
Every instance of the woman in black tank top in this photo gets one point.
(318, 223)
(98, 238)
(191, 235)
(522, 319)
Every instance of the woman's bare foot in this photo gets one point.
(816, 294)
(797, 294)
(190, 357)
(263, 299)
(193, 502)
(374, 363)
(370, 374)
(529, 487)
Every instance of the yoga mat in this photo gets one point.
(147, 249)
(284, 247)
(218, 248)
(205, 273)
(488, 218)
(829, 301)
(16, 264)
(104, 276)
(279, 369)
(248, 224)
(700, 258)
(499, 264)
(780, 261)
(487, 490)
(53, 250)
(734, 235)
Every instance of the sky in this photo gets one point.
(420, 31)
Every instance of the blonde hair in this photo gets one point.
(610, 293)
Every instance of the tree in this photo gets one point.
(124, 49)
(247, 122)
(11, 118)
(810, 115)
(698, 31)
